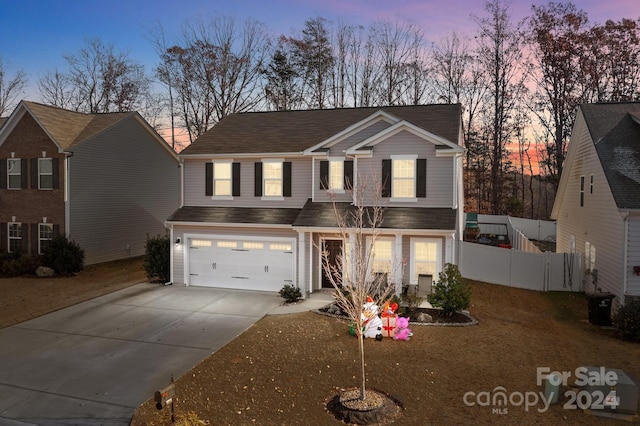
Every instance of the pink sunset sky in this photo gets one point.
(35, 34)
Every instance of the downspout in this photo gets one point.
(172, 249)
(67, 191)
(625, 253)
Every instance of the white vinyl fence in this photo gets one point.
(546, 271)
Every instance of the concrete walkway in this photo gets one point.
(95, 362)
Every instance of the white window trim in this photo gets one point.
(273, 197)
(40, 239)
(392, 264)
(222, 197)
(412, 266)
(9, 174)
(9, 237)
(413, 199)
(45, 174)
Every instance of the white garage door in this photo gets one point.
(240, 263)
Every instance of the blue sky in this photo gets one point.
(35, 34)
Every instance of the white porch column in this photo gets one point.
(301, 264)
(449, 250)
(399, 259)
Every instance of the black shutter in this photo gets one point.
(421, 178)
(258, 179)
(55, 166)
(24, 243)
(324, 174)
(386, 178)
(34, 173)
(25, 184)
(348, 174)
(3, 236)
(56, 230)
(286, 179)
(208, 179)
(235, 179)
(35, 236)
(3, 173)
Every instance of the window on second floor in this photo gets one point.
(222, 179)
(14, 173)
(45, 173)
(273, 179)
(336, 175)
(15, 237)
(404, 178)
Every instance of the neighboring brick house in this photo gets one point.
(597, 206)
(104, 180)
(256, 213)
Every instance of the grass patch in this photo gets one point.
(567, 306)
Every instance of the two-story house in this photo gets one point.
(597, 206)
(257, 212)
(104, 180)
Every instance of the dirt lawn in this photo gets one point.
(283, 369)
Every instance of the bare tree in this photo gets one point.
(99, 80)
(314, 54)
(501, 57)
(351, 275)
(10, 88)
(556, 32)
(216, 70)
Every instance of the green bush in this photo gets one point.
(157, 258)
(627, 321)
(14, 266)
(290, 293)
(64, 256)
(451, 293)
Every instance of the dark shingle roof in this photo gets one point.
(322, 215)
(317, 215)
(265, 216)
(615, 131)
(69, 128)
(295, 131)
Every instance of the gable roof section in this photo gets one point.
(615, 131)
(297, 131)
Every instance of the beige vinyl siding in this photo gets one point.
(194, 185)
(179, 231)
(123, 186)
(633, 255)
(440, 170)
(598, 221)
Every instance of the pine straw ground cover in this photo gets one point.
(284, 369)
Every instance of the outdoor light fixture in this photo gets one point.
(178, 241)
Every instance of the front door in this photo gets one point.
(334, 250)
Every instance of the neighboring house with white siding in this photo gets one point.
(104, 180)
(256, 213)
(597, 206)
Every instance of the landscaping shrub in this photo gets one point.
(451, 293)
(64, 256)
(157, 258)
(411, 300)
(16, 264)
(290, 293)
(627, 321)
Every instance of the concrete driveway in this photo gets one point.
(95, 362)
